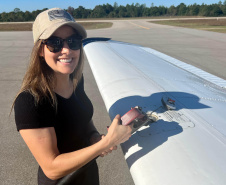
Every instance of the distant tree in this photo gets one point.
(4, 17)
(116, 9)
(137, 10)
(70, 10)
(115, 5)
(223, 8)
(128, 10)
(87, 13)
(19, 17)
(172, 10)
(162, 10)
(108, 8)
(216, 11)
(111, 15)
(28, 16)
(98, 12)
(205, 10)
(146, 12)
(140, 8)
(193, 9)
(154, 11)
(182, 9)
(16, 10)
(122, 12)
(224, 3)
(202, 9)
(36, 12)
(134, 11)
(81, 12)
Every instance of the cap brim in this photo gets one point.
(49, 31)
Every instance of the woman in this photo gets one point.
(53, 113)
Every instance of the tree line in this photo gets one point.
(133, 10)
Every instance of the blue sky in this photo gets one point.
(30, 5)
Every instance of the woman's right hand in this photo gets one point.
(118, 133)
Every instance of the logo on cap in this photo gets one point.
(59, 14)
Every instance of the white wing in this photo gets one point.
(185, 146)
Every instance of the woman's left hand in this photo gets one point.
(106, 152)
(95, 138)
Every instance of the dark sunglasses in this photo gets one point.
(55, 44)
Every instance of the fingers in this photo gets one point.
(117, 119)
(118, 133)
(114, 148)
(108, 151)
(105, 153)
(102, 136)
(117, 116)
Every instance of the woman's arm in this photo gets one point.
(42, 143)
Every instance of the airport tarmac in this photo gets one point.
(202, 49)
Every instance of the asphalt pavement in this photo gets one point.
(202, 49)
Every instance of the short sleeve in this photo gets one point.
(28, 115)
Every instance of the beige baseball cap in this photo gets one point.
(47, 22)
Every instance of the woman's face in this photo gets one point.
(65, 61)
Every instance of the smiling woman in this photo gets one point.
(62, 57)
(52, 111)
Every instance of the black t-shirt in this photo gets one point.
(70, 121)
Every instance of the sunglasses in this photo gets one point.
(55, 44)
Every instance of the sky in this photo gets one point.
(31, 5)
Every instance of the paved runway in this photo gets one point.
(203, 49)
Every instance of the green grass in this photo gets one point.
(96, 25)
(16, 27)
(216, 25)
(28, 26)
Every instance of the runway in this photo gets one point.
(202, 49)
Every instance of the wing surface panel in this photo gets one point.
(186, 145)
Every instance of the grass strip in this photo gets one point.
(216, 25)
(28, 26)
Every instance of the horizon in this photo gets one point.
(26, 5)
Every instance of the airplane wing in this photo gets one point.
(187, 143)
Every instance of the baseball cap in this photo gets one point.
(48, 21)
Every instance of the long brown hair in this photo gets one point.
(39, 79)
